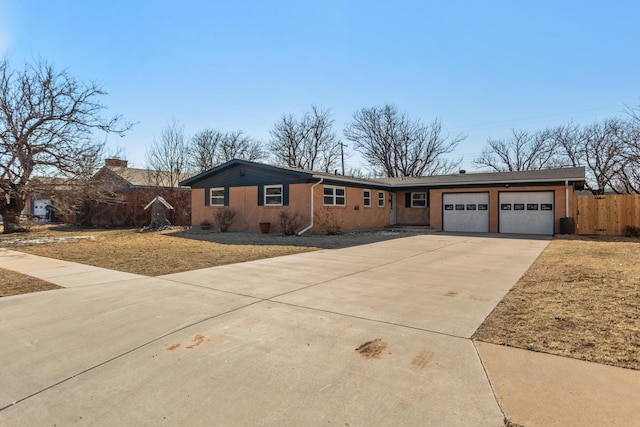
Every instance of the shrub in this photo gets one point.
(290, 222)
(327, 220)
(225, 217)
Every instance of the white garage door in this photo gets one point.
(528, 212)
(467, 212)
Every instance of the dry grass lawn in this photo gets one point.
(581, 299)
(12, 283)
(174, 250)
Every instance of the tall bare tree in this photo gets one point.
(48, 121)
(306, 143)
(630, 174)
(210, 148)
(522, 151)
(600, 148)
(397, 145)
(167, 158)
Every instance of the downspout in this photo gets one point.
(300, 233)
(566, 198)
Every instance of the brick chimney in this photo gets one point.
(116, 163)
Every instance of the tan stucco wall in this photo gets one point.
(250, 215)
(559, 203)
(245, 200)
(411, 216)
(354, 215)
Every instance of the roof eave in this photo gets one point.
(501, 182)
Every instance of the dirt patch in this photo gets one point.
(451, 294)
(197, 340)
(581, 299)
(12, 283)
(372, 349)
(422, 360)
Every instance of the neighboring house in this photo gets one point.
(131, 189)
(39, 204)
(531, 202)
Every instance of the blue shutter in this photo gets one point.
(407, 199)
(285, 195)
(260, 195)
(207, 200)
(226, 196)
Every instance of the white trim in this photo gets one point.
(381, 193)
(366, 198)
(425, 199)
(334, 196)
(265, 196)
(211, 190)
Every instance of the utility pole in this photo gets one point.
(342, 154)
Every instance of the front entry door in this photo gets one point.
(392, 202)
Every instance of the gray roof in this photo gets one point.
(544, 175)
(487, 178)
(143, 177)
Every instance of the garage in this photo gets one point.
(527, 212)
(465, 212)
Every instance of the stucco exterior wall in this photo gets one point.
(245, 200)
(354, 215)
(409, 215)
(559, 203)
(250, 215)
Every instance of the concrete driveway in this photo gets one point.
(369, 335)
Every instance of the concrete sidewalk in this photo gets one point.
(369, 335)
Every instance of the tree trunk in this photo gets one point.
(11, 221)
(11, 214)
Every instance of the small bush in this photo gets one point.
(225, 217)
(327, 220)
(631, 231)
(290, 222)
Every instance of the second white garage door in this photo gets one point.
(527, 212)
(466, 212)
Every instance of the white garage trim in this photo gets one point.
(466, 212)
(526, 212)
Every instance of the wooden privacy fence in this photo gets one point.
(606, 215)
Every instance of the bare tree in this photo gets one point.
(522, 151)
(398, 146)
(600, 148)
(210, 148)
(203, 150)
(47, 124)
(308, 143)
(167, 158)
(629, 174)
(237, 145)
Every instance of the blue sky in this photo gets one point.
(481, 67)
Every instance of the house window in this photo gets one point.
(418, 200)
(273, 195)
(334, 196)
(381, 199)
(216, 197)
(366, 201)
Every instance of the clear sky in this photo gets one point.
(482, 67)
